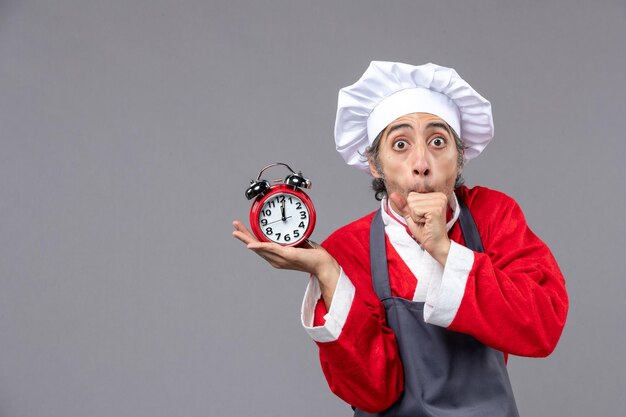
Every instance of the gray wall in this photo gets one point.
(130, 129)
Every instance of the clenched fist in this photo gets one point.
(425, 214)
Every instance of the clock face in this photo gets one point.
(284, 218)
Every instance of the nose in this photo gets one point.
(421, 161)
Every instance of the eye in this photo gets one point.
(438, 142)
(400, 145)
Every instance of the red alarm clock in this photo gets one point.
(281, 213)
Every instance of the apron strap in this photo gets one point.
(468, 228)
(378, 258)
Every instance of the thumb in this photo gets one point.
(401, 204)
(415, 229)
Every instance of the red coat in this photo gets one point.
(511, 298)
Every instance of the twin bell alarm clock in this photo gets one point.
(281, 212)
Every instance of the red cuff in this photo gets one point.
(320, 312)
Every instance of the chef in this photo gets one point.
(415, 307)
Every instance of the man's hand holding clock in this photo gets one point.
(282, 240)
(310, 257)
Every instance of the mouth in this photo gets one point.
(422, 189)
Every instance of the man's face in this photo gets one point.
(417, 153)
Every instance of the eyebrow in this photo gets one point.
(440, 125)
(398, 126)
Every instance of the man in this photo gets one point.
(415, 307)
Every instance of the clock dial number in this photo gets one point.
(282, 210)
(287, 224)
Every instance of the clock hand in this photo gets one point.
(280, 220)
(282, 211)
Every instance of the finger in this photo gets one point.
(417, 230)
(266, 249)
(242, 228)
(425, 210)
(269, 246)
(242, 237)
(419, 218)
(415, 199)
(415, 196)
(242, 233)
(286, 253)
(413, 226)
(400, 202)
(417, 212)
(270, 257)
(279, 257)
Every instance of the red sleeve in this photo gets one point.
(362, 365)
(515, 298)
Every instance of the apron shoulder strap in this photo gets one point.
(468, 228)
(378, 258)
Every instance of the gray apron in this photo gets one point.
(445, 373)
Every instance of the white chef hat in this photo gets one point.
(388, 90)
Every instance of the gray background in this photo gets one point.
(130, 129)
